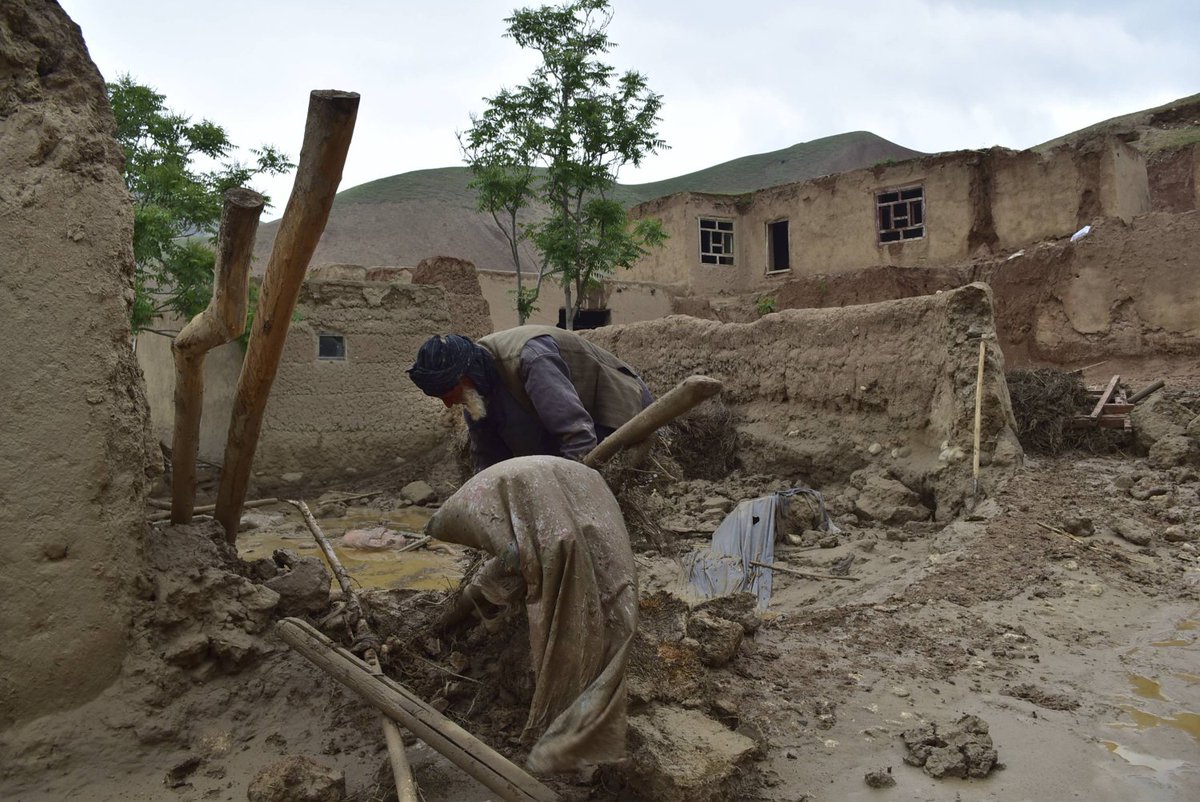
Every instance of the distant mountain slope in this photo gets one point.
(405, 218)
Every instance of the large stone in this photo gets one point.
(1173, 450)
(1158, 417)
(889, 501)
(297, 779)
(418, 492)
(678, 755)
(719, 638)
(304, 588)
(1136, 533)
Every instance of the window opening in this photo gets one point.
(716, 242)
(331, 346)
(778, 257)
(900, 214)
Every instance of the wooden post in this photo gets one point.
(223, 321)
(331, 116)
(687, 394)
(394, 700)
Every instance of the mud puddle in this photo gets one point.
(421, 569)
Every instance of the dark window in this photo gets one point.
(586, 318)
(900, 214)
(331, 346)
(716, 242)
(777, 246)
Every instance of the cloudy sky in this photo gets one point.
(737, 77)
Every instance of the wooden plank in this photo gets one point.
(1117, 409)
(394, 700)
(1112, 385)
(1103, 422)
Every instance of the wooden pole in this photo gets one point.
(331, 116)
(787, 569)
(406, 789)
(391, 698)
(687, 394)
(222, 321)
(1145, 391)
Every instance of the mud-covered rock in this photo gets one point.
(889, 501)
(880, 778)
(963, 749)
(1173, 450)
(1158, 417)
(297, 779)
(678, 755)
(1136, 533)
(303, 584)
(741, 608)
(418, 492)
(718, 638)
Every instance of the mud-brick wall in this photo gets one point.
(72, 465)
(329, 419)
(815, 388)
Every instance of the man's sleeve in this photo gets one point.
(547, 382)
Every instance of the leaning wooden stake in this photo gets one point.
(687, 394)
(390, 697)
(223, 321)
(406, 789)
(327, 133)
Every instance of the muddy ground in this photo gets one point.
(1078, 654)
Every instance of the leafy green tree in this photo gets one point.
(177, 205)
(546, 155)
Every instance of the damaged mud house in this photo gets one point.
(935, 538)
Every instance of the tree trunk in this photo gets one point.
(327, 132)
(568, 309)
(222, 321)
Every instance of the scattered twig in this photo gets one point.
(353, 498)
(1121, 558)
(262, 502)
(805, 574)
(416, 544)
(443, 669)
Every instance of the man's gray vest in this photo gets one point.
(609, 389)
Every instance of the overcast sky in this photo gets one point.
(737, 77)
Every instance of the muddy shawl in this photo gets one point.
(580, 595)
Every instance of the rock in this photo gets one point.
(1177, 533)
(1173, 450)
(1136, 533)
(1157, 417)
(177, 777)
(187, 651)
(719, 503)
(304, 588)
(297, 779)
(960, 750)
(874, 449)
(678, 755)
(376, 538)
(236, 649)
(718, 638)
(880, 778)
(946, 761)
(1079, 525)
(1193, 427)
(889, 501)
(258, 520)
(330, 509)
(985, 510)
(1144, 492)
(417, 492)
(291, 478)
(901, 452)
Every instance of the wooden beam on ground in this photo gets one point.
(1146, 391)
(787, 569)
(331, 116)
(222, 321)
(466, 751)
(1108, 391)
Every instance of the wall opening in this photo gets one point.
(716, 241)
(585, 318)
(331, 346)
(900, 214)
(778, 252)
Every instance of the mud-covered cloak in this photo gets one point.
(580, 595)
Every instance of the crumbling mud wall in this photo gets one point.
(330, 419)
(72, 466)
(1122, 291)
(824, 392)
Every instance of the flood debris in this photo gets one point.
(961, 749)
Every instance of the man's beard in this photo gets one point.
(473, 403)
